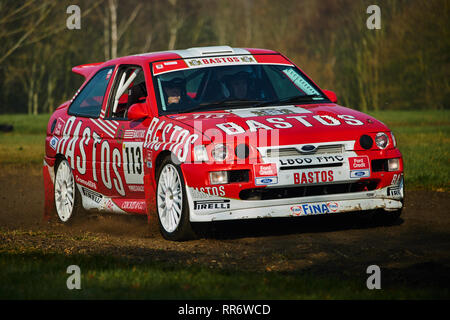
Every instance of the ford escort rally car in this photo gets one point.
(214, 133)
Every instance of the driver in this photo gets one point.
(175, 92)
(238, 85)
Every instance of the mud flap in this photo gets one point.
(49, 203)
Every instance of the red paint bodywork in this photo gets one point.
(139, 198)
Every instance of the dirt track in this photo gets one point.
(416, 249)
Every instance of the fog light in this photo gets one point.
(381, 140)
(218, 177)
(394, 164)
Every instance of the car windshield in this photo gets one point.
(238, 86)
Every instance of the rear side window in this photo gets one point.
(88, 103)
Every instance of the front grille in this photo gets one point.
(306, 191)
(291, 151)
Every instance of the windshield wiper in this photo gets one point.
(302, 98)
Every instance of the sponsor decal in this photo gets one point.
(120, 134)
(208, 191)
(95, 196)
(268, 111)
(359, 167)
(105, 165)
(333, 206)
(231, 128)
(148, 158)
(211, 204)
(315, 208)
(168, 136)
(200, 62)
(54, 142)
(133, 205)
(88, 184)
(296, 210)
(359, 163)
(397, 179)
(134, 134)
(313, 176)
(108, 75)
(199, 116)
(266, 170)
(136, 188)
(356, 174)
(266, 181)
(394, 192)
(59, 127)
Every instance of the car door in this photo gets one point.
(124, 144)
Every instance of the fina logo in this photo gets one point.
(308, 148)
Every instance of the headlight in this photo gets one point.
(219, 152)
(200, 153)
(218, 177)
(394, 141)
(381, 140)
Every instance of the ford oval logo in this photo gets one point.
(308, 148)
(360, 173)
(267, 180)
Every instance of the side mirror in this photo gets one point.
(330, 95)
(138, 111)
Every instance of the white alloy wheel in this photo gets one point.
(170, 198)
(64, 191)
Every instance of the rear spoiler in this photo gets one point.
(86, 70)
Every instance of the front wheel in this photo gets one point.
(67, 198)
(171, 202)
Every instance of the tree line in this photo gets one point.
(402, 65)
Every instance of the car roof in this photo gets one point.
(197, 52)
(211, 51)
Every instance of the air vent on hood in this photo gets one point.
(214, 50)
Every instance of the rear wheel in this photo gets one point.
(171, 202)
(67, 198)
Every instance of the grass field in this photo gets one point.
(423, 138)
(104, 277)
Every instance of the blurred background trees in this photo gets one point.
(403, 65)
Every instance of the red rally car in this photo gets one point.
(214, 133)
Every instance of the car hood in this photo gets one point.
(293, 124)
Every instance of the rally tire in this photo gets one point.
(68, 205)
(171, 203)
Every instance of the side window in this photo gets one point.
(88, 103)
(129, 88)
